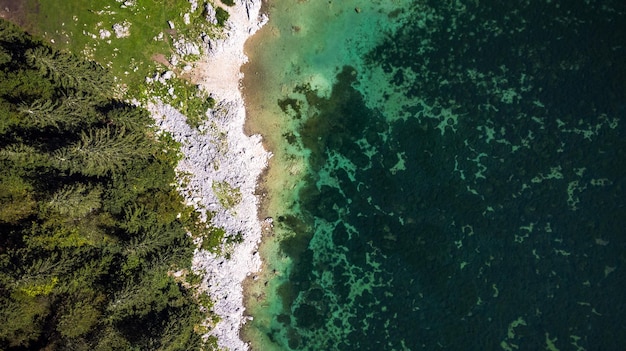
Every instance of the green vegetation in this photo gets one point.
(187, 98)
(228, 2)
(222, 16)
(91, 227)
(213, 241)
(134, 39)
(88, 27)
(227, 195)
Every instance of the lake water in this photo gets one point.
(446, 175)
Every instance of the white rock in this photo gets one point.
(174, 60)
(122, 30)
(168, 75)
(104, 33)
(194, 5)
(240, 165)
(210, 14)
(185, 48)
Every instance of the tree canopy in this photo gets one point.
(91, 227)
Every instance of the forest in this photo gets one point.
(94, 237)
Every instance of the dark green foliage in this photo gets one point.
(100, 151)
(67, 71)
(196, 109)
(228, 2)
(16, 196)
(90, 226)
(213, 239)
(221, 15)
(210, 102)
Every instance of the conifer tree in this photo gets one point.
(5, 56)
(75, 200)
(73, 110)
(10, 33)
(100, 151)
(23, 156)
(89, 225)
(16, 197)
(40, 113)
(80, 107)
(68, 71)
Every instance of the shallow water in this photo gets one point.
(447, 175)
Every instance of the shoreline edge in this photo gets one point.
(221, 152)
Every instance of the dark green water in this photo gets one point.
(464, 186)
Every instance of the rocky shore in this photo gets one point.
(219, 151)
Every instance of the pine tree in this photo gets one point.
(77, 272)
(16, 199)
(68, 71)
(73, 110)
(10, 32)
(40, 113)
(80, 107)
(75, 200)
(100, 151)
(23, 156)
(5, 56)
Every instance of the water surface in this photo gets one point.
(447, 175)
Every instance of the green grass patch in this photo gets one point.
(88, 27)
(212, 240)
(134, 39)
(227, 195)
(186, 97)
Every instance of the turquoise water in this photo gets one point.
(447, 175)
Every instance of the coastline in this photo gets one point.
(220, 151)
(357, 307)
